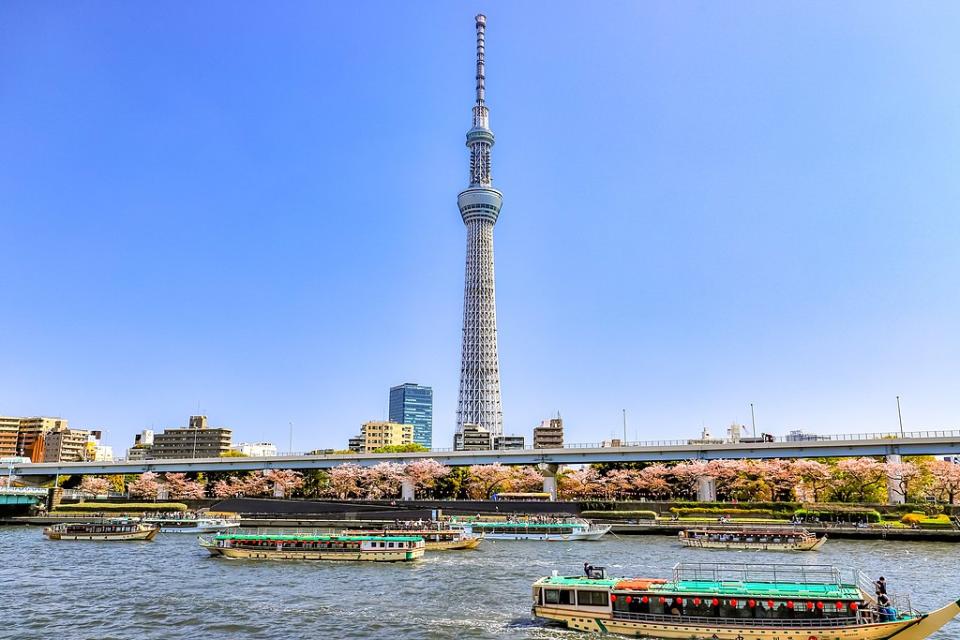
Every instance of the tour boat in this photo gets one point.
(192, 525)
(310, 547)
(568, 530)
(434, 539)
(108, 530)
(735, 602)
(753, 539)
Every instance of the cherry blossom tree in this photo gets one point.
(621, 483)
(346, 480)
(485, 479)
(283, 481)
(945, 480)
(687, 476)
(903, 476)
(94, 485)
(655, 481)
(145, 486)
(858, 479)
(225, 488)
(383, 480)
(425, 473)
(779, 477)
(814, 478)
(525, 479)
(579, 483)
(180, 486)
(255, 484)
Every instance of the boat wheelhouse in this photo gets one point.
(566, 530)
(118, 530)
(765, 539)
(311, 547)
(192, 525)
(434, 539)
(735, 602)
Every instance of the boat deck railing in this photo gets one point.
(792, 574)
(803, 623)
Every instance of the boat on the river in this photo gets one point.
(192, 525)
(434, 539)
(735, 602)
(117, 529)
(764, 539)
(314, 547)
(564, 530)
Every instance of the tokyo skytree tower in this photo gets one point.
(479, 401)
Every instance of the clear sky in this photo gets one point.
(251, 208)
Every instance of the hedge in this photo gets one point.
(718, 511)
(924, 522)
(638, 515)
(837, 513)
(122, 506)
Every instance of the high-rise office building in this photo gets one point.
(413, 404)
(479, 399)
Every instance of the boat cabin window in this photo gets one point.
(592, 598)
(557, 596)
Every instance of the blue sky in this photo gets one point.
(253, 210)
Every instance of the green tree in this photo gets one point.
(453, 485)
(413, 447)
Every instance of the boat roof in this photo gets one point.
(761, 589)
(311, 538)
(580, 581)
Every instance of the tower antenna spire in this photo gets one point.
(481, 70)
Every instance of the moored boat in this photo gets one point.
(768, 539)
(434, 539)
(736, 602)
(312, 547)
(107, 530)
(566, 530)
(192, 525)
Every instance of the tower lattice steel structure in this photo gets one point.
(479, 401)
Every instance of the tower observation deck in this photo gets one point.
(479, 400)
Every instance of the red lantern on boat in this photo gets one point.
(714, 602)
(819, 605)
(697, 601)
(733, 603)
(751, 603)
(854, 606)
(662, 600)
(789, 604)
(644, 599)
(678, 601)
(613, 598)
(629, 599)
(839, 606)
(770, 604)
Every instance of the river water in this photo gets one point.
(170, 588)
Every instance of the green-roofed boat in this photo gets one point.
(309, 547)
(563, 530)
(716, 601)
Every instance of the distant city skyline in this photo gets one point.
(248, 215)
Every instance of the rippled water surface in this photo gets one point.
(170, 588)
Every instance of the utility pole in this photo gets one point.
(290, 444)
(900, 416)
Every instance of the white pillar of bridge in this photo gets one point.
(707, 489)
(894, 494)
(549, 473)
(408, 490)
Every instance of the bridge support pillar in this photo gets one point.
(707, 489)
(894, 492)
(549, 473)
(407, 490)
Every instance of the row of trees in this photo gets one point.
(841, 480)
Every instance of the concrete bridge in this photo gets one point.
(549, 460)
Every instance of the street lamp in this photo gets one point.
(900, 416)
